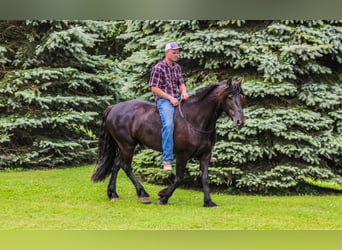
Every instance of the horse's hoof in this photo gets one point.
(210, 204)
(115, 199)
(145, 200)
(161, 203)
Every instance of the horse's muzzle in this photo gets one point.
(239, 122)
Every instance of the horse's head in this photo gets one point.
(232, 101)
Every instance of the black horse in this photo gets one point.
(129, 123)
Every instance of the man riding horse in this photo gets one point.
(165, 82)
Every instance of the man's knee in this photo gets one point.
(169, 124)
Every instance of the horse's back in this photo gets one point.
(131, 105)
(136, 121)
(131, 111)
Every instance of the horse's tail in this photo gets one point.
(108, 150)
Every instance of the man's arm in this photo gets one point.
(157, 91)
(184, 93)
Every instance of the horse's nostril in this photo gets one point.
(239, 123)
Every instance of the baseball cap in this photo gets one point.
(172, 45)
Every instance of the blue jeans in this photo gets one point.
(166, 111)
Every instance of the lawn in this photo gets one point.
(67, 199)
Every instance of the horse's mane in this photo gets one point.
(202, 93)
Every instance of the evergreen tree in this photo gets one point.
(55, 81)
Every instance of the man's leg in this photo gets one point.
(166, 111)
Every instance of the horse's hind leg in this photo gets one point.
(141, 192)
(111, 189)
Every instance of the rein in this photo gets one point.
(192, 127)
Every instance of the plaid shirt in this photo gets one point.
(168, 79)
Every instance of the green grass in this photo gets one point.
(67, 199)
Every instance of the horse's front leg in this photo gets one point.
(166, 193)
(204, 163)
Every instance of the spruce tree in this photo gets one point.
(55, 81)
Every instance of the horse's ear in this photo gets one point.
(229, 81)
(240, 81)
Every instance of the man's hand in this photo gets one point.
(184, 95)
(174, 101)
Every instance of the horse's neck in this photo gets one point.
(203, 114)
